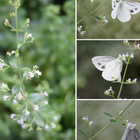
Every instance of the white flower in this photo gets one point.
(82, 33)
(132, 55)
(138, 46)
(55, 118)
(46, 127)
(20, 121)
(126, 41)
(5, 98)
(1, 65)
(45, 93)
(3, 85)
(29, 35)
(79, 28)
(36, 107)
(19, 95)
(85, 118)
(23, 126)
(110, 88)
(105, 21)
(91, 122)
(135, 80)
(46, 102)
(31, 74)
(12, 52)
(15, 101)
(38, 72)
(27, 112)
(91, 1)
(12, 116)
(129, 80)
(127, 54)
(53, 125)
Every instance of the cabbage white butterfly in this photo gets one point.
(131, 134)
(110, 66)
(123, 9)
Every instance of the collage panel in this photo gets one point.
(108, 120)
(108, 19)
(108, 69)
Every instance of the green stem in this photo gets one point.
(125, 72)
(110, 122)
(91, 12)
(18, 63)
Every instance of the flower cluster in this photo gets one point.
(125, 57)
(130, 125)
(131, 82)
(109, 92)
(85, 120)
(104, 20)
(80, 31)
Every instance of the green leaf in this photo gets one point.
(85, 7)
(35, 97)
(99, 18)
(25, 75)
(38, 120)
(15, 88)
(13, 64)
(112, 120)
(108, 114)
(83, 133)
(25, 69)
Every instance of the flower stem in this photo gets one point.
(91, 12)
(110, 122)
(125, 72)
(18, 63)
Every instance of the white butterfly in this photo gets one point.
(131, 134)
(110, 66)
(123, 9)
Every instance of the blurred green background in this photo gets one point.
(52, 25)
(95, 111)
(114, 28)
(91, 85)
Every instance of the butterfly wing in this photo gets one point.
(134, 7)
(123, 12)
(113, 69)
(100, 62)
(115, 3)
(131, 134)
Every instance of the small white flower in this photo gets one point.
(106, 91)
(19, 95)
(12, 116)
(120, 56)
(132, 55)
(135, 80)
(55, 118)
(138, 46)
(12, 52)
(82, 33)
(91, 1)
(46, 102)
(129, 80)
(121, 111)
(20, 121)
(31, 74)
(27, 112)
(110, 88)
(38, 72)
(36, 107)
(126, 41)
(53, 125)
(127, 54)
(105, 21)
(23, 126)
(5, 98)
(29, 35)
(45, 93)
(91, 122)
(79, 28)
(15, 101)
(1, 65)
(46, 127)
(3, 85)
(85, 118)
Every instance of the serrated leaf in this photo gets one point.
(35, 97)
(112, 120)
(108, 114)
(85, 7)
(99, 18)
(83, 133)
(25, 69)
(38, 120)
(13, 64)
(15, 88)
